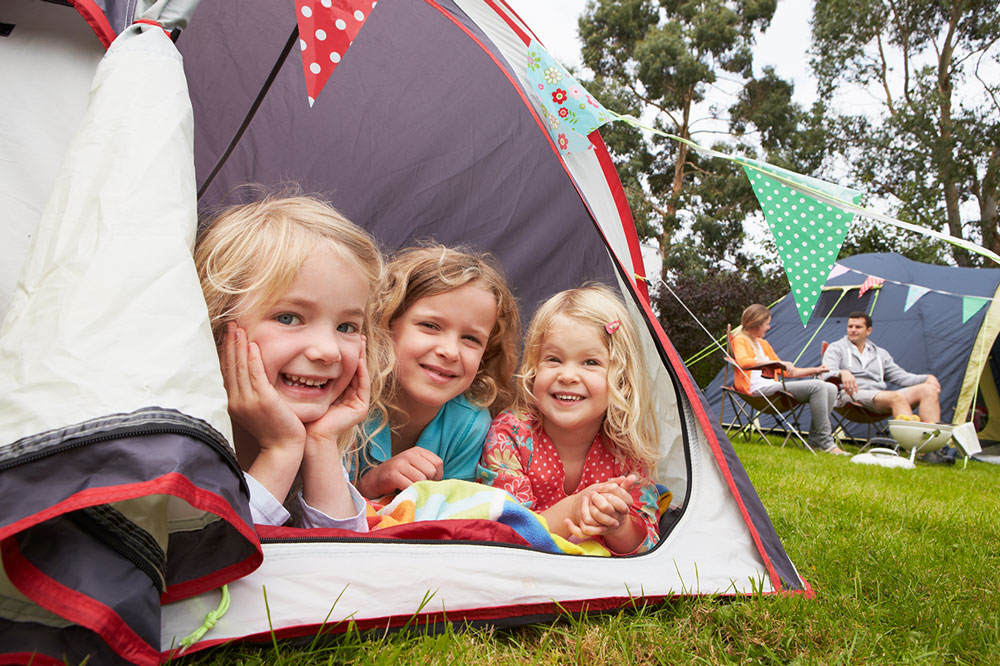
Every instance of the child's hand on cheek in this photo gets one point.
(401, 471)
(253, 402)
(257, 408)
(348, 410)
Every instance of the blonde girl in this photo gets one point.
(580, 443)
(289, 284)
(454, 325)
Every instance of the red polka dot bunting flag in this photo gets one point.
(326, 30)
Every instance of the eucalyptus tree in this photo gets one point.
(659, 61)
(932, 146)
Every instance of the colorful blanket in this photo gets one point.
(458, 500)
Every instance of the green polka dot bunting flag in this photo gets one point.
(807, 233)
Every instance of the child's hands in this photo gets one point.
(401, 471)
(253, 402)
(257, 408)
(601, 508)
(347, 411)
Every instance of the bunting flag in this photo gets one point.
(837, 271)
(327, 28)
(871, 282)
(570, 112)
(807, 233)
(971, 305)
(913, 294)
(808, 217)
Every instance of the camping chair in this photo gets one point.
(855, 412)
(748, 408)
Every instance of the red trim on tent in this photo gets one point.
(75, 607)
(95, 17)
(444, 531)
(518, 30)
(169, 484)
(624, 213)
(601, 151)
(486, 615)
(691, 391)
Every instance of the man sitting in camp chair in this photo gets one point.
(864, 368)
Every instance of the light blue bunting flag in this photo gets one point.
(913, 294)
(971, 305)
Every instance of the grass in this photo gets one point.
(905, 566)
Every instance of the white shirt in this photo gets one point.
(757, 380)
(265, 509)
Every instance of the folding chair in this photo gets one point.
(747, 408)
(855, 412)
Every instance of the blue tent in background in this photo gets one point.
(929, 336)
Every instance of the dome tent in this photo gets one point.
(425, 130)
(928, 335)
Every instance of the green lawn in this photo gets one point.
(905, 566)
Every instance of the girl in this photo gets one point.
(289, 283)
(580, 442)
(751, 349)
(454, 324)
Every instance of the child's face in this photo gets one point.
(440, 341)
(310, 338)
(571, 381)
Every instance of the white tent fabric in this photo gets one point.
(121, 214)
(62, 52)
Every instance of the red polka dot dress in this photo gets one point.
(519, 457)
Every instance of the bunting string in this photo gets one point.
(808, 217)
(907, 284)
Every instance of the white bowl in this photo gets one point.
(918, 436)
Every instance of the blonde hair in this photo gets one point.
(249, 255)
(630, 428)
(419, 272)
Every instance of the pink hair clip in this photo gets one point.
(612, 326)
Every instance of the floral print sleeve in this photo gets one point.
(506, 456)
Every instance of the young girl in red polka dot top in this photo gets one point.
(580, 442)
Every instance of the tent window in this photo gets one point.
(848, 304)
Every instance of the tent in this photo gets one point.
(941, 320)
(426, 129)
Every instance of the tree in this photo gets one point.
(658, 60)
(933, 151)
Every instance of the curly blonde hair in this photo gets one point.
(249, 254)
(630, 428)
(419, 272)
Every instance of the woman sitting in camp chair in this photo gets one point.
(750, 350)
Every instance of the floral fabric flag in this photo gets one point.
(871, 282)
(807, 233)
(326, 30)
(970, 306)
(569, 111)
(913, 294)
